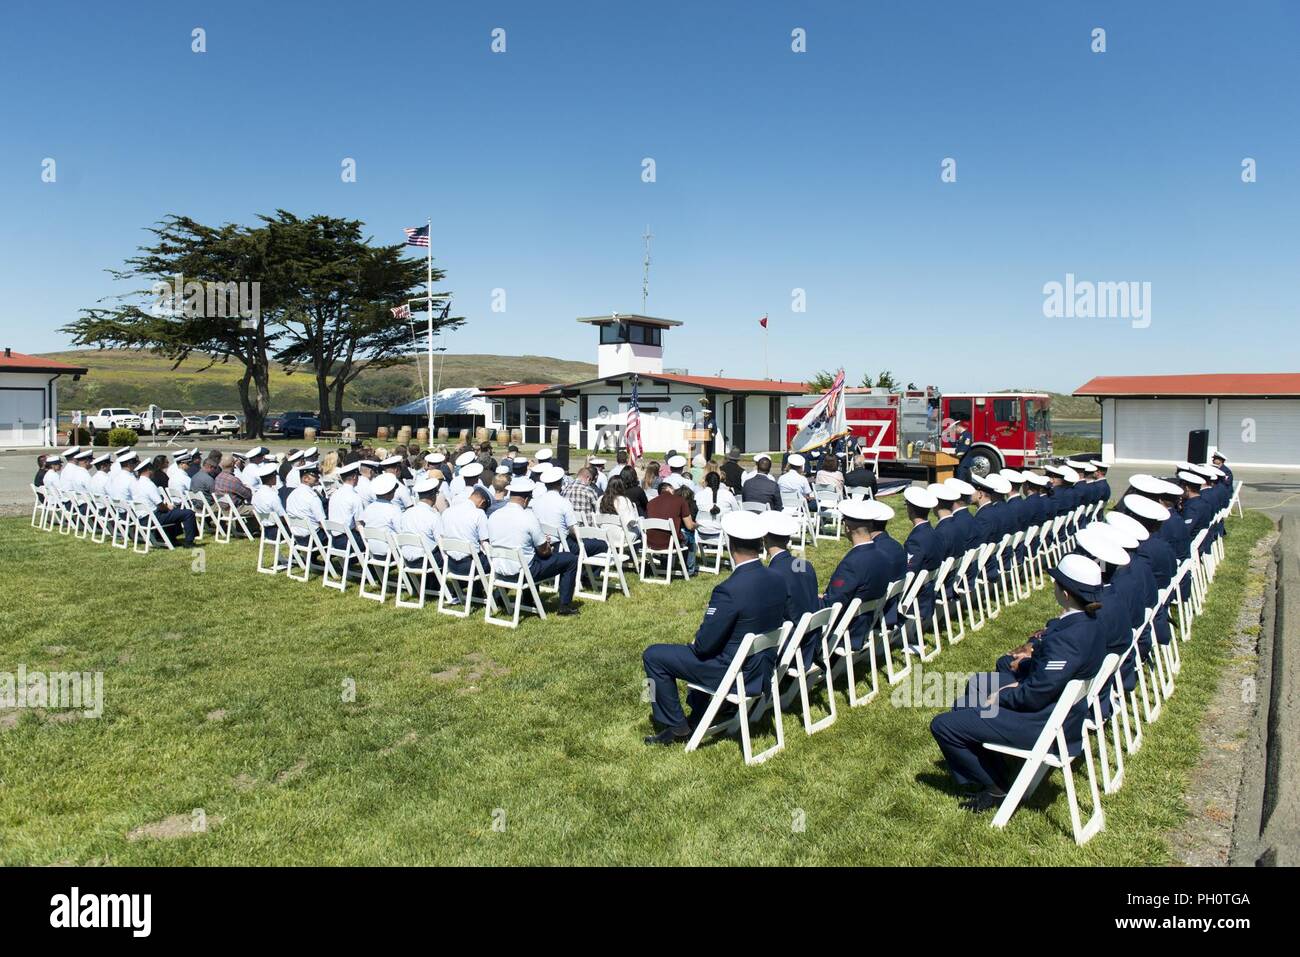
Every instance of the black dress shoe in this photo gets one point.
(568, 610)
(669, 736)
(981, 802)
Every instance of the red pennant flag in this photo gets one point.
(763, 322)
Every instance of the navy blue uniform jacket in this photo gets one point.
(753, 599)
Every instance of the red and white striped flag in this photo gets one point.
(401, 312)
(632, 430)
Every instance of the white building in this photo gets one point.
(1252, 418)
(29, 400)
(749, 414)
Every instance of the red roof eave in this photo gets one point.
(1211, 384)
(19, 362)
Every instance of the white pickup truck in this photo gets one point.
(107, 419)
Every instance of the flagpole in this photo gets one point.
(766, 374)
(428, 305)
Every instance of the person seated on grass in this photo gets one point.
(382, 513)
(1011, 707)
(516, 526)
(174, 521)
(751, 599)
(873, 562)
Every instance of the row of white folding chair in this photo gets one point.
(87, 515)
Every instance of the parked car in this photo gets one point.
(193, 424)
(107, 419)
(275, 422)
(158, 420)
(294, 427)
(223, 422)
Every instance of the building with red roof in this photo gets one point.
(1251, 418)
(29, 399)
(748, 414)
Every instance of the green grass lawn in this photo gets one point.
(467, 744)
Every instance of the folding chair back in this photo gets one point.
(377, 562)
(791, 664)
(330, 553)
(671, 553)
(412, 571)
(452, 581)
(607, 566)
(747, 506)
(516, 585)
(302, 544)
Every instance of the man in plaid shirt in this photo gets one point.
(582, 496)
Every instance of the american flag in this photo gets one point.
(632, 431)
(401, 312)
(417, 235)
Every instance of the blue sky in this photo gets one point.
(775, 170)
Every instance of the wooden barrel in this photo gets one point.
(480, 435)
(381, 433)
(422, 435)
(309, 436)
(404, 435)
(464, 436)
(516, 436)
(443, 434)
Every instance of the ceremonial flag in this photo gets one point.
(401, 312)
(632, 430)
(825, 421)
(417, 235)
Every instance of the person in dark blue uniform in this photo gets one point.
(1011, 709)
(990, 490)
(1197, 511)
(952, 540)
(873, 562)
(961, 445)
(924, 548)
(1103, 486)
(802, 594)
(967, 532)
(752, 599)
(1018, 510)
(1153, 548)
(1220, 463)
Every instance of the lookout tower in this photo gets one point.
(629, 343)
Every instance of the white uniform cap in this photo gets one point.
(52, 459)
(264, 470)
(1116, 534)
(943, 492)
(962, 487)
(1128, 524)
(596, 461)
(1081, 568)
(1203, 470)
(920, 497)
(122, 453)
(677, 462)
(796, 460)
(1033, 478)
(465, 458)
(552, 474)
(994, 483)
(1085, 467)
(427, 485)
(1216, 472)
(369, 463)
(348, 469)
(1146, 507)
(1183, 466)
(88, 453)
(433, 458)
(1100, 546)
(122, 460)
(1148, 484)
(699, 461)
(296, 456)
(390, 462)
(865, 510)
(747, 526)
(71, 452)
(1012, 476)
(100, 460)
(255, 451)
(520, 485)
(473, 470)
(543, 455)
(503, 470)
(144, 464)
(310, 453)
(1070, 475)
(1191, 478)
(776, 522)
(762, 455)
(384, 484)
(1054, 470)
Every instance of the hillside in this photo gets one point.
(135, 379)
(1068, 406)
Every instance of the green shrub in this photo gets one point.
(78, 436)
(120, 437)
(1065, 444)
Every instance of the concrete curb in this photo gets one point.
(1267, 831)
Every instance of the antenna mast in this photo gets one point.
(645, 269)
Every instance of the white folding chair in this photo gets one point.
(910, 626)
(750, 507)
(39, 508)
(1098, 689)
(453, 581)
(841, 641)
(792, 665)
(413, 572)
(731, 690)
(303, 544)
(1051, 750)
(671, 553)
(332, 575)
(965, 589)
(712, 549)
(828, 512)
(606, 566)
(942, 601)
(227, 518)
(146, 524)
(276, 534)
(515, 584)
(377, 562)
(123, 520)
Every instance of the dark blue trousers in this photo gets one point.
(665, 665)
(183, 517)
(562, 565)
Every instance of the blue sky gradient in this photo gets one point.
(775, 170)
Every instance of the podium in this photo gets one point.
(939, 465)
(699, 439)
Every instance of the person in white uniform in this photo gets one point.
(466, 520)
(346, 504)
(253, 458)
(402, 497)
(422, 519)
(516, 526)
(305, 502)
(381, 514)
(101, 474)
(145, 492)
(178, 480)
(266, 498)
(794, 481)
(120, 477)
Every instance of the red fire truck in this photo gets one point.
(1008, 429)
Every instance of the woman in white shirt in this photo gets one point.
(713, 501)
